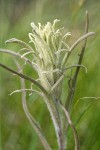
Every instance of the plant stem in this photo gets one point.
(85, 36)
(76, 139)
(51, 104)
(15, 54)
(73, 83)
(55, 115)
(25, 77)
(32, 120)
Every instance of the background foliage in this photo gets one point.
(15, 18)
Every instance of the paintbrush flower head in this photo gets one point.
(50, 49)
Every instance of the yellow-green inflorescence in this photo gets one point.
(49, 53)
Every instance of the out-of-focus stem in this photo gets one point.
(76, 139)
(73, 82)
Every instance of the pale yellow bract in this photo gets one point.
(50, 49)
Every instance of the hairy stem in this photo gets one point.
(50, 104)
(53, 108)
(31, 119)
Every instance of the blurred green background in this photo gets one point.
(15, 16)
